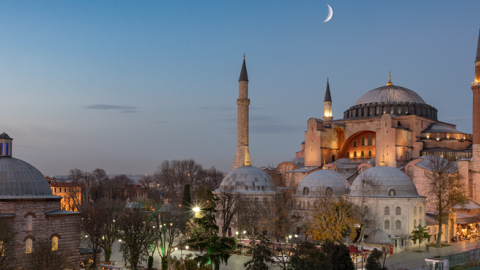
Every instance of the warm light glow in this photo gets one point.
(236, 233)
(186, 247)
(244, 232)
(196, 209)
(296, 236)
(290, 237)
(176, 249)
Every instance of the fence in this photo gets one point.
(458, 258)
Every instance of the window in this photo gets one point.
(328, 192)
(354, 154)
(28, 246)
(387, 211)
(354, 143)
(420, 222)
(398, 225)
(55, 242)
(347, 154)
(391, 192)
(305, 191)
(410, 170)
(2, 250)
(287, 168)
(369, 139)
(362, 142)
(420, 210)
(386, 225)
(29, 223)
(370, 153)
(1, 148)
(398, 211)
(414, 223)
(6, 149)
(280, 171)
(414, 210)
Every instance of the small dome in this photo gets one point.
(18, 179)
(390, 94)
(378, 237)
(323, 183)
(298, 160)
(386, 181)
(246, 179)
(4, 136)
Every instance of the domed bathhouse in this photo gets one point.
(27, 202)
(388, 199)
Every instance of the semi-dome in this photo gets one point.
(18, 180)
(383, 181)
(390, 94)
(246, 179)
(323, 183)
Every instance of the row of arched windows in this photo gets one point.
(398, 211)
(362, 154)
(398, 225)
(29, 245)
(6, 149)
(362, 141)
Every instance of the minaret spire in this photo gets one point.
(476, 111)
(389, 79)
(327, 105)
(242, 156)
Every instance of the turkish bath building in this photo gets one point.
(389, 134)
(27, 202)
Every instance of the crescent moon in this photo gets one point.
(330, 14)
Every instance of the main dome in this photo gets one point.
(20, 180)
(246, 179)
(390, 94)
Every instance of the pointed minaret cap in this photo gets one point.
(477, 58)
(243, 73)
(324, 166)
(383, 163)
(247, 161)
(328, 97)
(389, 79)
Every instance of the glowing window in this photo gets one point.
(386, 225)
(28, 246)
(398, 225)
(55, 242)
(398, 211)
(29, 223)
(387, 211)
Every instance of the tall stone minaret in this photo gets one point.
(242, 156)
(476, 112)
(327, 106)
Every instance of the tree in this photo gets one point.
(338, 255)
(309, 257)
(186, 198)
(420, 233)
(43, 257)
(92, 223)
(86, 181)
(262, 253)
(444, 188)
(137, 234)
(188, 264)
(7, 245)
(373, 262)
(217, 248)
(228, 206)
(333, 219)
(112, 210)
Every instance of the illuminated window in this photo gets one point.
(398, 225)
(55, 242)
(2, 249)
(387, 225)
(354, 143)
(387, 211)
(28, 246)
(29, 223)
(398, 211)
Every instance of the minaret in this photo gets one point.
(476, 111)
(327, 106)
(242, 156)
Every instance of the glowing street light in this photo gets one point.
(196, 209)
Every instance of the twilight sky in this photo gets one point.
(124, 85)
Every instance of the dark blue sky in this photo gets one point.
(124, 85)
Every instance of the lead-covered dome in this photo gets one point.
(323, 183)
(20, 180)
(246, 179)
(390, 94)
(383, 181)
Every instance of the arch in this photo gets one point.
(386, 225)
(398, 225)
(305, 191)
(54, 243)
(348, 144)
(398, 211)
(387, 211)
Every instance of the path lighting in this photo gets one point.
(290, 237)
(186, 247)
(120, 240)
(176, 249)
(196, 209)
(244, 232)
(171, 224)
(296, 235)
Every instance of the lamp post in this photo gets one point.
(196, 209)
(236, 234)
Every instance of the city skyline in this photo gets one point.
(123, 86)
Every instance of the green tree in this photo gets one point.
(262, 253)
(217, 248)
(309, 257)
(338, 255)
(373, 261)
(420, 233)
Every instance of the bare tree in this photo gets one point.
(228, 206)
(86, 181)
(115, 188)
(112, 210)
(445, 188)
(7, 245)
(92, 224)
(45, 257)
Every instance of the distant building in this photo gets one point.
(69, 192)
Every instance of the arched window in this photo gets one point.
(28, 246)
(370, 153)
(414, 210)
(398, 211)
(328, 192)
(280, 171)
(387, 211)
(287, 168)
(420, 209)
(29, 223)
(1, 148)
(391, 192)
(369, 139)
(6, 149)
(386, 225)
(410, 170)
(414, 223)
(354, 143)
(362, 142)
(354, 153)
(55, 242)
(420, 222)
(305, 191)
(362, 154)
(398, 225)
(347, 154)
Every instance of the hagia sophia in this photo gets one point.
(390, 134)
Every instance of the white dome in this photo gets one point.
(379, 237)
(387, 181)
(246, 179)
(318, 182)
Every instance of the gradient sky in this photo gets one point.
(124, 85)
